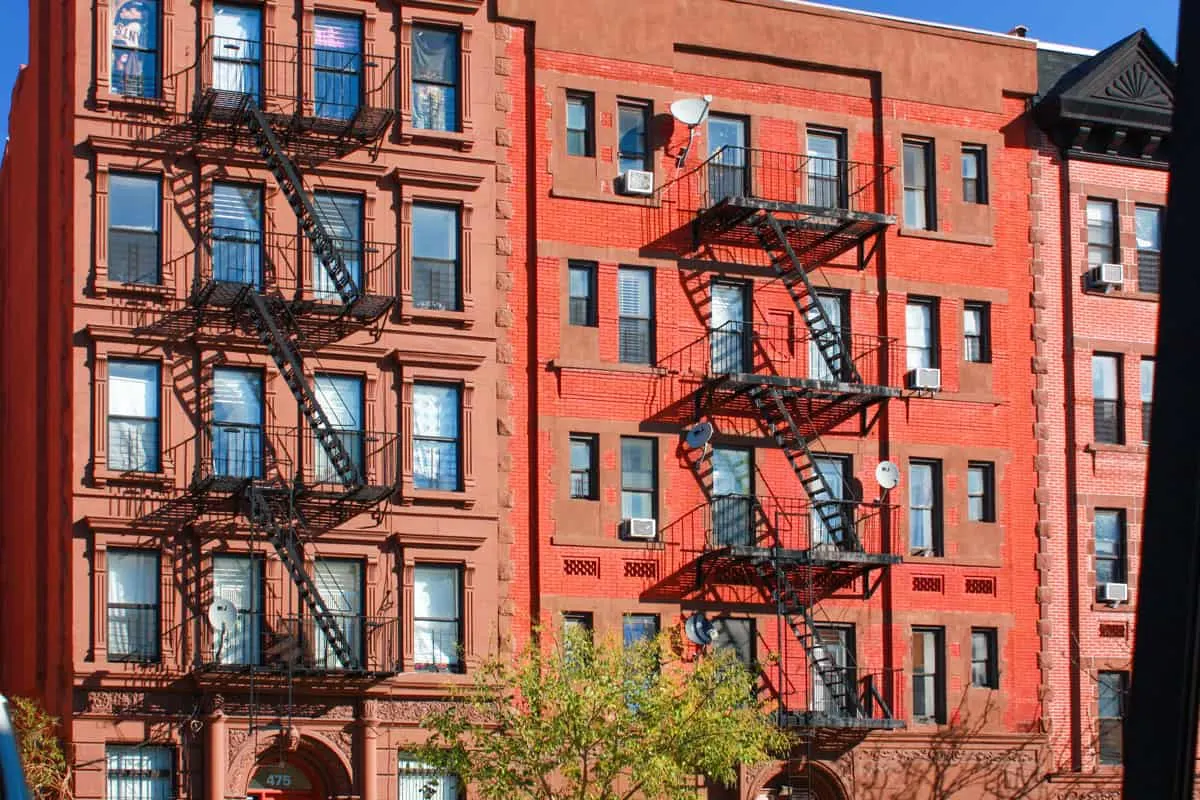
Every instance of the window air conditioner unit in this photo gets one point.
(1107, 275)
(636, 181)
(925, 378)
(639, 528)
(1114, 592)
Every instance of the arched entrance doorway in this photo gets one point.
(803, 782)
(288, 779)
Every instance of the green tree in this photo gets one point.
(47, 771)
(584, 721)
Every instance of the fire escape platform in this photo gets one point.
(822, 570)
(869, 392)
(817, 234)
(803, 720)
(823, 556)
(217, 110)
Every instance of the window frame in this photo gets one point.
(458, 440)
(259, 459)
(155, 89)
(1119, 561)
(840, 137)
(1121, 694)
(584, 620)
(460, 109)
(455, 264)
(158, 228)
(1146, 394)
(752, 625)
(648, 320)
(976, 194)
(150, 657)
(457, 666)
(984, 336)
(591, 310)
(1101, 405)
(1149, 259)
(433, 779)
(1113, 245)
(990, 661)
(587, 101)
(644, 108)
(150, 776)
(987, 498)
(652, 493)
(626, 618)
(592, 472)
(934, 332)
(936, 509)
(927, 185)
(939, 674)
(157, 465)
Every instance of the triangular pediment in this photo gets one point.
(1134, 71)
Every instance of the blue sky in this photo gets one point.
(1087, 23)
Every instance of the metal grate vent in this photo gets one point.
(582, 567)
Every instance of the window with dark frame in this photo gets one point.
(581, 290)
(1108, 415)
(338, 65)
(584, 466)
(825, 159)
(417, 780)
(1109, 534)
(580, 122)
(925, 507)
(977, 332)
(435, 78)
(134, 597)
(921, 333)
(639, 478)
(1102, 232)
(437, 436)
(578, 621)
(737, 634)
(981, 491)
(637, 628)
(437, 618)
(1113, 695)
(133, 415)
(134, 225)
(139, 772)
(928, 675)
(436, 233)
(985, 673)
(135, 43)
(1148, 232)
(633, 124)
(635, 309)
(1147, 387)
(974, 174)
(920, 188)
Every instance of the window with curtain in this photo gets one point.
(436, 232)
(929, 702)
(737, 634)
(420, 781)
(340, 582)
(237, 422)
(1108, 414)
(337, 65)
(635, 309)
(1148, 221)
(1102, 232)
(836, 306)
(728, 157)
(435, 78)
(633, 121)
(974, 173)
(984, 671)
(580, 117)
(135, 56)
(341, 397)
(925, 508)
(133, 605)
(237, 48)
(732, 496)
(437, 618)
(581, 279)
(1109, 531)
(139, 772)
(342, 217)
(730, 332)
(239, 579)
(834, 689)
(133, 416)
(435, 424)
(977, 346)
(639, 478)
(920, 333)
(826, 168)
(831, 518)
(237, 234)
(919, 186)
(134, 215)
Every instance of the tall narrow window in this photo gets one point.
(635, 305)
(977, 332)
(974, 173)
(237, 49)
(239, 580)
(584, 464)
(925, 508)
(581, 279)
(337, 65)
(340, 582)
(437, 618)
(920, 333)
(133, 605)
(836, 354)
(435, 57)
(135, 56)
(139, 772)
(134, 213)
(436, 438)
(834, 679)
(341, 398)
(639, 478)
(580, 120)
(639, 628)
(1113, 691)
(1147, 379)
(417, 780)
(1109, 529)
(732, 496)
(1107, 408)
(1148, 224)
(237, 234)
(436, 232)
(737, 634)
(237, 423)
(633, 120)
(825, 159)
(1102, 232)
(928, 675)
(984, 670)
(832, 517)
(981, 491)
(133, 416)
(919, 186)
(342, 216)
(581, 621)
(730, 328)
(728, 158)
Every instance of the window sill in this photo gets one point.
(947, 236)
(106, 100)
(459, 140)
(641, 201)
(1121, 294)
(1106, 447)
(438, 497)
(426, 316)
(154, 481)
(603, 366)
(1128, 607)
(614, 544)
(155, 291)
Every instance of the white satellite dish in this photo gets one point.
(690, 111)
(887, 475)
(699, 435)
(699, 629)
(222, 614)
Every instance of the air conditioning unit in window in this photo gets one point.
(636, 181)
(925, 378)
(1108, 275)
(1114, 593)
(639, 528)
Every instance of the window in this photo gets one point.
(974, 173)
(919, 185)
(738, 635)
(237, 49)
(436, 413)
(1107, 412)
(1109, 529)
(133, 416)
(437, 618)
(342, 217)
(1114, 689)
(826, 169)
(832, 517)
(1147, 387)
(135, 48)
(920, 333)
(581, 279)
(341, 397)
(435, 261)
(133, 600)
(925, 508)
(635, 306)
(237, 423)
(727, 172)
(578, 621)
(981, 491)
(435, 78)
(239, 580)
(584, 464)
(237, 240)
(1148, 231)
(639, 478)
(836, 306)
(977, 332)
(1102, 232)
(579, 124)
(340, 582)
(984, 670)
(834, 685)
(420, 781)
(337, 65)
(732, 498)
(139, 772)
(633, 120)
(639, 628)
(134, 213)
(928, 675)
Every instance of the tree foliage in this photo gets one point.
(47, 771)
(584, 721)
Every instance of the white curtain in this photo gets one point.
(420, 781)
(920, 504)
(237, 48)
(831, 644)
(238, 579)
(436, 617)
(237, 437)
(435, 436)
(833, 471)
(341, 397)
(133, 586)
(237, 233)
(133, 415)
(918, 331)
(727, 319)
(340, 583)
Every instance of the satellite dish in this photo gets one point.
(699, 435)
(222, 614)
(887, 475)
(699, 629)
(691, 111)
